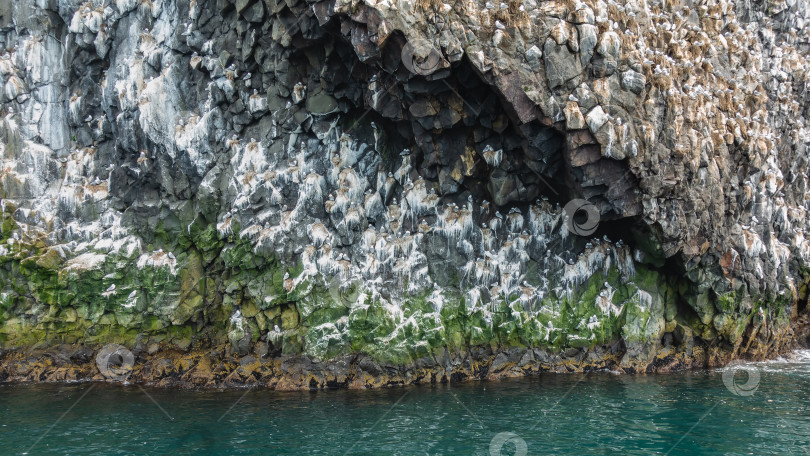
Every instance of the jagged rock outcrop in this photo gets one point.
(367, 193)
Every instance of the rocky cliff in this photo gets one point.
(361, 193)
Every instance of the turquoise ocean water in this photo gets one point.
(750, 409)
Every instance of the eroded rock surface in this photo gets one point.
(385, 192)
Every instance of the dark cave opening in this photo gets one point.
(460, 137)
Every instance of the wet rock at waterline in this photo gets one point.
(372, 193)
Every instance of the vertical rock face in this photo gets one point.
(442, 190)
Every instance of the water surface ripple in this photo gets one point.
(749, 409)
